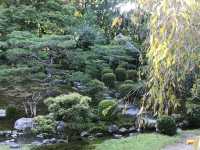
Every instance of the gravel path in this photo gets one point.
(181, 144)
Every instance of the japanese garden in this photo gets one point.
(99, 74)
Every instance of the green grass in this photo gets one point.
(140, 142)
(5, 147)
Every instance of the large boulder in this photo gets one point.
(2, 113)
(24, 123)
(113, 129)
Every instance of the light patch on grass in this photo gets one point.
(140, 142)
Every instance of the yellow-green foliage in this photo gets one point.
(173, 52)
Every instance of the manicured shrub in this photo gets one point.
(124, 89)
(86, 38)
(95, 90)
(73, 109)
(11, 112)
(45, 125)
(121, 74)
(106, 109)
(166, 125)
(107, 70)
(132, 75)
(109, 79)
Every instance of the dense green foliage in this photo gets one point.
(121, 74)
(73, 109)
(107, 109)
(45, 125)
(166, 125)
(109, 79)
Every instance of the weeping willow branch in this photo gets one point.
(174, 50)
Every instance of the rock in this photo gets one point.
(6, 133)
(46, 141)
(117, 136)
(14, 136)
(2, 113)
(113, 128)
(178, 130)
(24, 123)
(123, 130)
(60, 141)
(132, 129)
(99, 134)
(131, 134)
(91, 138)
(14, 146)
(53, 140)
(40, 136)
(183, 124)
(84, 134)
(36, 143)
(12, 140)
(60, 127)
(131, 111)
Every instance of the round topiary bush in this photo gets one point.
(124, 89)
(109, 79)
(166, 125)
(121, 74)
(132, 75)
(107, 70)
(106, 109)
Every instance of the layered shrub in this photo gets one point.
(86, 38)
(132, 75)
(124, 89)
(95, 90)
(73, 109)
(45, 125)
(106, 109)
(166, 125)
(121, 74)
(106, 70)
(109, 79)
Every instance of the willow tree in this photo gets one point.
(174, 50)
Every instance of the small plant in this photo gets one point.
(107, 109)
(166, 125)
(11, 112)
(132, 75)
(109, 79)
(121, 74)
